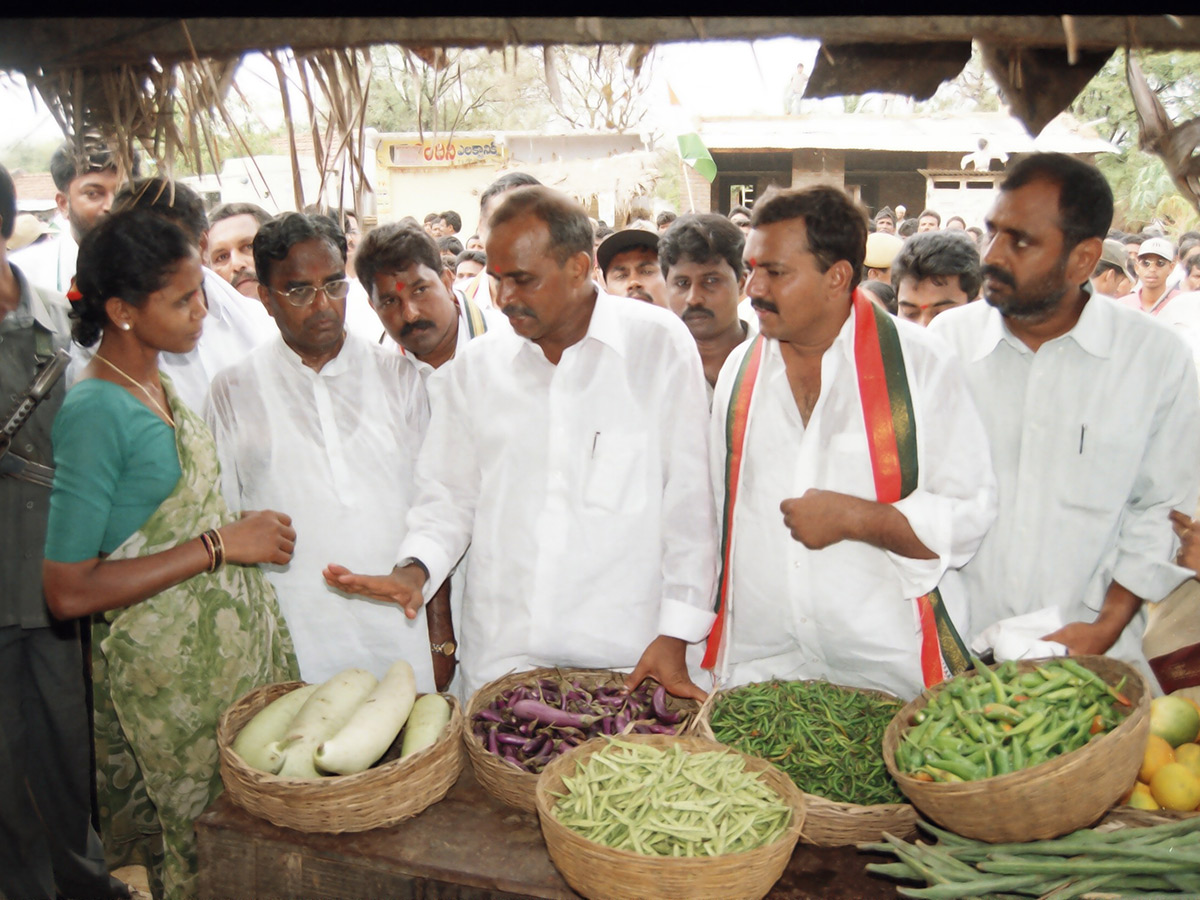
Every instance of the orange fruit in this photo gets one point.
(1174, 719)
(1189, 755)
(1175, 786)
(1158, 754)
(1141, 798)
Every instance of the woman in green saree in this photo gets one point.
(140, 538)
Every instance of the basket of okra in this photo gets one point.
(828, 739)
(628, 817)
(1022, 751)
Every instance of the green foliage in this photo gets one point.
(1141, 186)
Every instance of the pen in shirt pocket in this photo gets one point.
(595, 437)
(1082, 432)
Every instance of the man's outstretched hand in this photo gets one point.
(402, 586)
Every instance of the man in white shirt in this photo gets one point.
(400, 269)
(326, 426)
(842, 548)
(234, 325)
(85, 186)
(1093, 417)
(701, 261)
(570, 453)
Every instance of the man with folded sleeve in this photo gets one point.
(570, 453)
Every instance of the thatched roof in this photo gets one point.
(106, 68)
(26, 44)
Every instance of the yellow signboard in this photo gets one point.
(414, 153)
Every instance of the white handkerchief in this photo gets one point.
(1020, 637)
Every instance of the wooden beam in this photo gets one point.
(50, 44)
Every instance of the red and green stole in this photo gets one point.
(892, 442)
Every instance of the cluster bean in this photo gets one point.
(531, 724)
(1000, 720)
(670, 802)
(1163, 860)
(828, 738)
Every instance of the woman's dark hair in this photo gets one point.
(129, 255)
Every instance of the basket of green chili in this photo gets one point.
(829, 739)
(674, 818)
(1023, 751)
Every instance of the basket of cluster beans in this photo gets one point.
(517, 724)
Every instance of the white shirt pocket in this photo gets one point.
(615, 473)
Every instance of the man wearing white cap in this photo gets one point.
(1155, 259)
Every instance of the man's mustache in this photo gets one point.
(243, 275)
(997, 274)
(764, 305)
(513, 311)
(419, 325)
(698, 312)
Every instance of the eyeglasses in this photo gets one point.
(1158, 262)
(305, 294)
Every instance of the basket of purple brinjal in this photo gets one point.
(517, 724)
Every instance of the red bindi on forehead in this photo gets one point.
(400, 286)
(753, 263)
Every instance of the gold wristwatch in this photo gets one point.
(445, 648)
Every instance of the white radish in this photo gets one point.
(256, 742)
(322, 715)
(430, 716)
(374, 725)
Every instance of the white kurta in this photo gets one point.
(583, 489)
(1095, 438)
(334, 450)
(846, 612)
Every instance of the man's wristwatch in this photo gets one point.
(445, 648)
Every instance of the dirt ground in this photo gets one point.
(135, 877)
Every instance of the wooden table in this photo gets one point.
(467, 847)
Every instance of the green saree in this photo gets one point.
(166, 668)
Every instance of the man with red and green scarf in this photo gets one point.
(850, 467)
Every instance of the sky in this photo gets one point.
(713, 78)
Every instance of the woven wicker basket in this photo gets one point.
(830, 823)
(504, 781)
(602, 873)
(1048, 800)
(394, 790)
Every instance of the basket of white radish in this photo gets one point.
(348, 755)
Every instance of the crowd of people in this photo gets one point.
(704, 449)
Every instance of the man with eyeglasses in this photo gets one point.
(1155, 260)
(328, 425)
